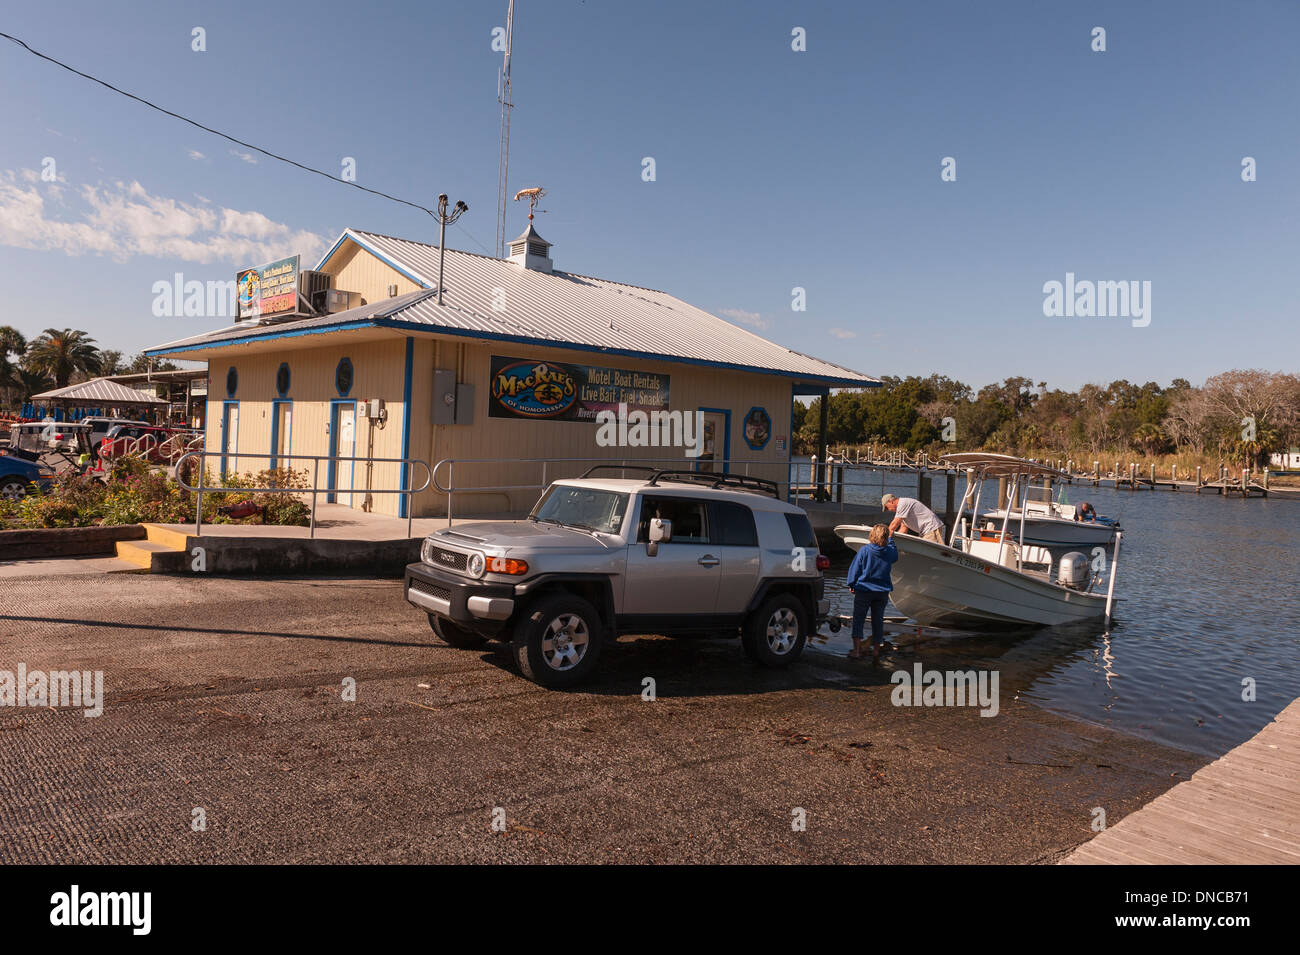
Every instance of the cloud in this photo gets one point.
(753, 319)
(195, 154)
(122, 221)
(843, 333)
(247, 157)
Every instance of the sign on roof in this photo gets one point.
(540, 388)
(269, 290)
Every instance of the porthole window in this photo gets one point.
(343, 377)
(282, 379)
(232, 382)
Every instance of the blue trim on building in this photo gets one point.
(406, 423)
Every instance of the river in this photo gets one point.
(1209, 598)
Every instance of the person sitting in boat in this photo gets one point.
(871, 582)
(911, 516)
(1085, 512)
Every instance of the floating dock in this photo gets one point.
(1242, 809)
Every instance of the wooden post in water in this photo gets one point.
(1153, 477)
(1174, 486)
(1266, 482)
(1245, 483)
(839, 483)
(1096, 474)
(1198, 479)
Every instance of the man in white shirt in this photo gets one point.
(913, 517)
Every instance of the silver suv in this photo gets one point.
(676, 552)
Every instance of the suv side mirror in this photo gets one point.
(661, 530)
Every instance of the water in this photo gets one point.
(1209, 598)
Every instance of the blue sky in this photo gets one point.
(774, 168)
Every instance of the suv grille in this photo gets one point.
(450, 559)
(433, 590)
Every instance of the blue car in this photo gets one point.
(18, 474)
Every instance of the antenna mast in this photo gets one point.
(503, 161)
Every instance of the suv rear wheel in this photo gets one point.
(556, 642)
(454, 634)
(775, 633)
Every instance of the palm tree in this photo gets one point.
(60, 353)
(30, 382)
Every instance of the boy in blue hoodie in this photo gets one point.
(869, 579)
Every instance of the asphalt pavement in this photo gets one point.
(227, 736)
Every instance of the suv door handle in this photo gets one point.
(708, 560)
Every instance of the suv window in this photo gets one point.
(734, 525)
(801, 531)
(689, 517)
(583, 507)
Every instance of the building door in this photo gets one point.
(229, 436)
(281, 432)
(343, 444)
(715, 442)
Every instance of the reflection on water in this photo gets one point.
(1208, 600)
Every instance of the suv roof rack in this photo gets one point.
(734, 482)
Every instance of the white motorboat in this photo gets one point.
(991, 578)
(1053, 524)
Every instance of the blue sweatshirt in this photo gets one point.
(870, 568)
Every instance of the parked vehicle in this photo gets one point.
(31, 439)
(100, 426)
(674, 552)
(18, 475)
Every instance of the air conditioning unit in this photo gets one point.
(312, 284)
(336, 300)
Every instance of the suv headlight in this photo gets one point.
(426, 551)
(475, 565)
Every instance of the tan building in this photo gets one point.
(511, 382)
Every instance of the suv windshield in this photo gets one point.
(583, 507)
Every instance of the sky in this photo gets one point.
(775, 169)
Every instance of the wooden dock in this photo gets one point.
(1242, 809)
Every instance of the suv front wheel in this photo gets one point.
(556, 642)
(775, 633)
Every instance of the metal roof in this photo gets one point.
(560, 309)
(100, 390)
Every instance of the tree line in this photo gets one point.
(1242, 415)
(56, 358)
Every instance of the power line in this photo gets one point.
(229, 138)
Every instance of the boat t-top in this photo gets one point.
(991, 578)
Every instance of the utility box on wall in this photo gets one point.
(444, 396)
(452, 403)
(464, 404)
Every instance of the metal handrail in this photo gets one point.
(792, 485)
(410, 491)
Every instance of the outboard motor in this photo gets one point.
(1074, 571)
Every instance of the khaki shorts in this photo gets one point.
(934, 535)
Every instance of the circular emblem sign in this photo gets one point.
(535, 389)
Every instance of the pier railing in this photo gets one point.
(314, 489)
(824, 484)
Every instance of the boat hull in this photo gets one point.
(940, 586)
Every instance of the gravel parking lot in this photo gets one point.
(227, 696)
